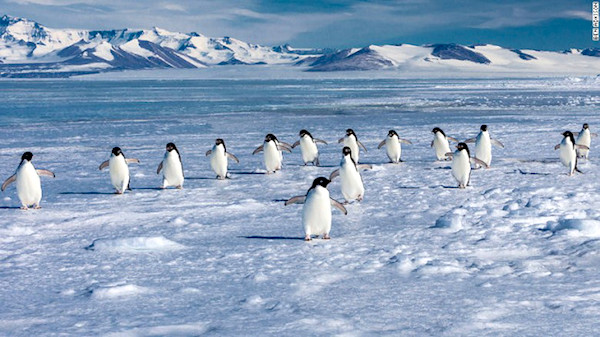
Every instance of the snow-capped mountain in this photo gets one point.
(488, 58)
(30, 49)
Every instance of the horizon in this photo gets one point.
(336, 24)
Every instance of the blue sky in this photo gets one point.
(549, 24)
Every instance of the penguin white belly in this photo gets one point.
(309, 149)
(316, 213)
(29, 186)
(568, 156)
(218, 161)
(393, 149)
(441, 146)
(483, 148)
(119, 173)
(461, 168)
(172, 170)
(584, 138)
(272, 157)
(353, 145)
(352, 185)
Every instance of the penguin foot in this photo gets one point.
(179, 187)
(307, 238)
(326, 237)
(24, 207)
(37, 207)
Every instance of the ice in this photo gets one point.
(516, 253)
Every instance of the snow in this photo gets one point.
(516, 253)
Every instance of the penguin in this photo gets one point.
(218, 158)
(316, 212)
(272, 148)
(351, 141)
(119, 171)
(393, 147)
(483, 145)
(568, 153)
(308, 147)
(584, 137)
(172, 168)
(29, 186)
(461, 164)
(351, 181)
(440, 143)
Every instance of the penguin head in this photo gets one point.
(303, 133)
(171, 147)
(219, 141)
(586, 126)
(320, 181)
(117, 151)
(392, 133)
(436, 130)
(27, 156)
(483, 127)
(462, 146)
(270, 137)
(346, 151)
(569, 134)
(350, 132)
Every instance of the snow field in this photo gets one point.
(514, 254)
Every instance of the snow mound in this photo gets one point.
(195, 329)
(116, 292)
(576, 227)
(135, 244)
(451, 221)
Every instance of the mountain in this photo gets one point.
(28, 49)
(484, 58)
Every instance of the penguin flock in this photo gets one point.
(317, 203)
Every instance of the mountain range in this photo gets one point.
(29, 49)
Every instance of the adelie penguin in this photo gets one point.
(483, 145)
(218, 158)
(172, 168)
(27, 178)
(308, 147)
(351, 141)
(568, 153)
(393, 147)
(584, 137)
(119, 169)
(272, 148)
(440, 143)
(461, 164)
(316, 212)
(351, 181)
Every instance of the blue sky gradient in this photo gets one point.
(534, 24)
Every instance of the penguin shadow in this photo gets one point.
(279, 200)
(519, 171)
(444, 186)
(260, 237)
(150, 189)
(246, 172)
(87, 193)
(408, 187)
(10, 207)
(201, 178)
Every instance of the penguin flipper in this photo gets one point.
(497, 143)
(449, 154)
(405, 141)
(381, 144)
(317, 140)
(581, 147)
(341, 140)
(231, 156)
(470, 140)
(452, 139)
(132, 160)
(361, 145)
(334, 174)
(208, 152)
(283, 147)
(296, 144)
(431, 144)
(479, 162)
(593, 134)
(258, 149)
(339, 206)
(46, 173)
(299, 199)
(159, 167)
(103, 165)
(557, 146)
(286, 144)
(363, 167)
(9, 181)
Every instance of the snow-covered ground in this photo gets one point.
(517, 253)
